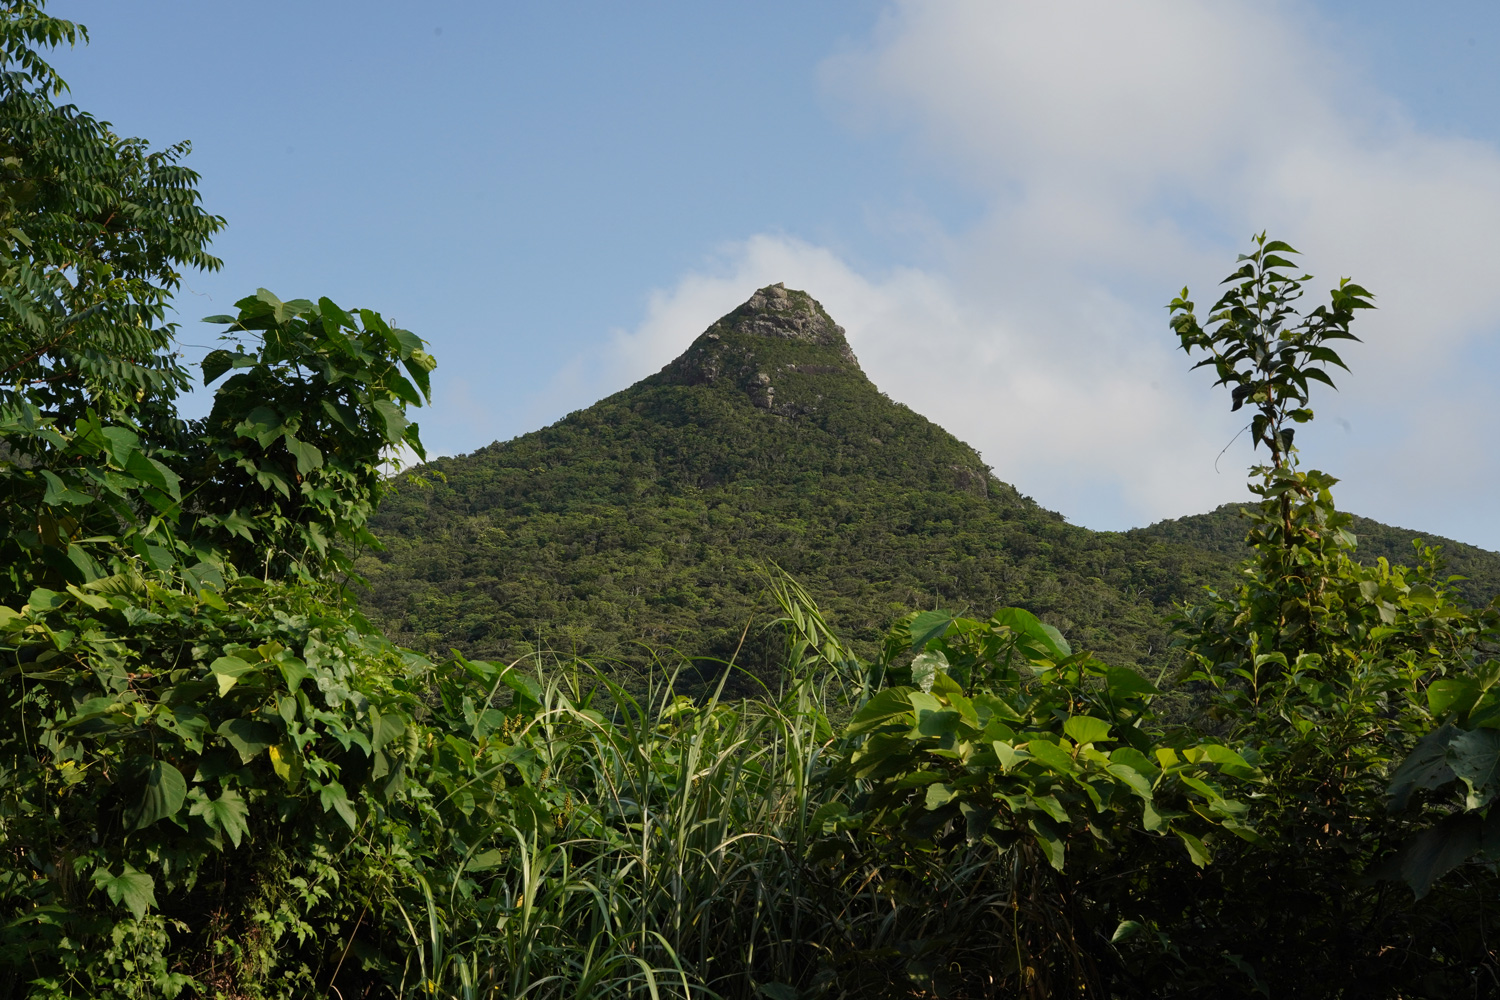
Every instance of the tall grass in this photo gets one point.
(686, 866)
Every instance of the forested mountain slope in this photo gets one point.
(1222, 532)
(647, 517)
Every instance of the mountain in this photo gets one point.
(1222, 532)
(644, 521)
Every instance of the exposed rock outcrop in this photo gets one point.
(749, 347)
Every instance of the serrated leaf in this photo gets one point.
(228, 813)
(135, 889)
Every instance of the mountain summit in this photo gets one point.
(768, 346)
(647, 519)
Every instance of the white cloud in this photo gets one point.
(1123, 150)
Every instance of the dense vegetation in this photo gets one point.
(218, 780)
(644, 521)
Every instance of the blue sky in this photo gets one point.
(995, 199)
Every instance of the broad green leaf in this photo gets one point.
(1137, 782)
(407, 342)
(527, 689)
(1126, 930)
(228, 814)
(1434, 852)
(1048, 840)
(293, 671)
(1457, 693)
(828, 817)
(1474, 757)
(228, 670)
(1123, 680)
(91, 600)
(42, 599)
(263, 424)
(1195, 847)
(189, 724)
(1009, 756)
(135, 889)
(248, 737)
(333, 315)
(1217, 753)
(1049, 805)
(160, 798)
(59, 493)
(308, 456)
(1048, 639)
(1086, 729)
(933, 718)
(1133, 758)
(928, 625)
(385, 727)
(394, 420)
(884, 707)
(1426, 767)
(1052, 755)
(335, 799)
(216, 362)
(938, 795)
(121, 443)
(486, 860)
(152, 473)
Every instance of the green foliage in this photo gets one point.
(218, 779)
(1003, 735)
(93, 231)
(286, 468)
(1331, 671)
(289, 456)
(645, 519)
(996, 739)
(642, 522)
(1473, 574)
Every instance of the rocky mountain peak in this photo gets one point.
(778, 311)
(776, 348)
